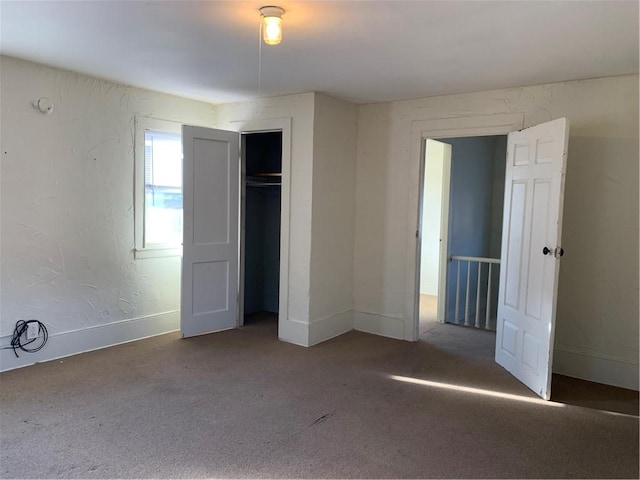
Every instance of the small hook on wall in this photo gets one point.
(44, 105)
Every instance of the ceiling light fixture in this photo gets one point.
(272, 24)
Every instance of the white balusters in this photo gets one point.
(458, 294)
(466, 302)
(478, 296)
(487, 319)
(480, 287)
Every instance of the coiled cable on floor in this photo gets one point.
(20, 340)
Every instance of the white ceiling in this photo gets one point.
(362, 51)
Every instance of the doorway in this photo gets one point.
(461, 230)
(531, 238)
(261, 227)
(434, 206)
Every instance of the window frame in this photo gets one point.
(143, 124)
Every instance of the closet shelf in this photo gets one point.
(263, 184)
(263, 179)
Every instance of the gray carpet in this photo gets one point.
(241, 404)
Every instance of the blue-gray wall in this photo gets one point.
(475, 211)
(262, 249)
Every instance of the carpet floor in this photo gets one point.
(241, 404)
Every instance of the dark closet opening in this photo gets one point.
(263, 175)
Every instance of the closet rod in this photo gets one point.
(263, 184)
(275, 174)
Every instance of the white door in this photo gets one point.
(210, 230)
(531, 235)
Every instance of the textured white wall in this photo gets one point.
(67, 211)
(67, 208)
(597, 318)
(431, 217)
(333, 221)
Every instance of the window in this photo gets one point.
(158, 188)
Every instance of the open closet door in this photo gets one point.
(531, 251)
(211, 164)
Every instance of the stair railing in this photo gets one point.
(479, 261)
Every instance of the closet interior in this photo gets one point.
(262, 178)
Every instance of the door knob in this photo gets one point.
(546, 251)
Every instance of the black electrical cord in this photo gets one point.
(20, 331)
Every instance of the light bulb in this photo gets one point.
(272, 25)
(272, 30)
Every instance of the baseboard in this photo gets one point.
(618, 373)
(293, 331)
(384, 325)
(323, 329)
(65, 344)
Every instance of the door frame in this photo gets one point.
(282, 125)
(438, 128)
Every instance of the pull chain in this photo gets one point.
(260, 61)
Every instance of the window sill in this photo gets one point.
(157, 252)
